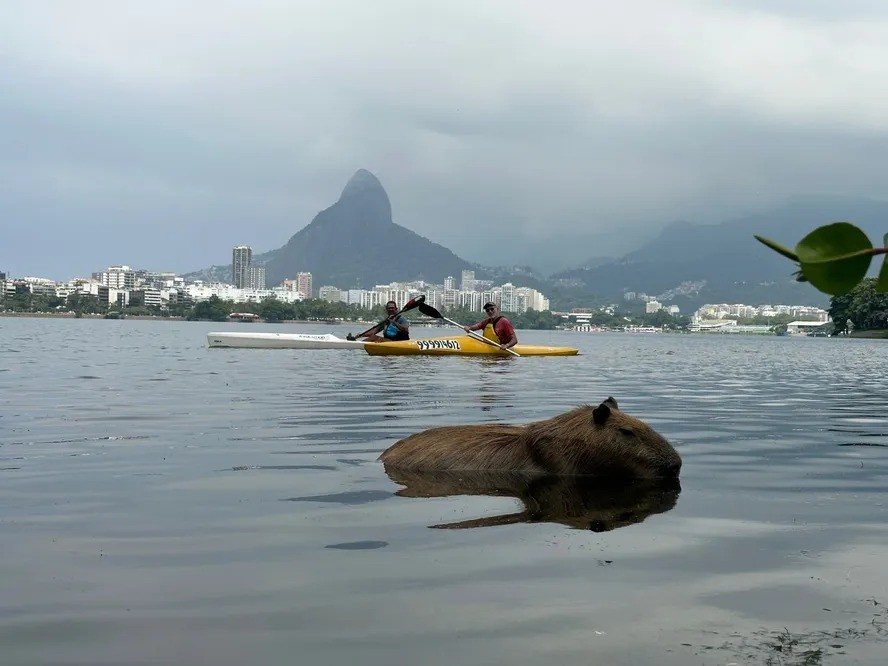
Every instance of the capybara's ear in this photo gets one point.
(612, 403)
(601, 413)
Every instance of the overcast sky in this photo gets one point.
(159, 134)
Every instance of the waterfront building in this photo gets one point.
(116, 277)
(241, 258)
(803, 327)
(200, 291)
(148, 295)
(256, 277)
(434, 297)
(369, 299)
(330, 294)
(303, 284)
(508, 298)
(531, 299)
(449, 297)
(470, 300)
(120, 285)
(720, 310)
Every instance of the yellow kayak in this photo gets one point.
(458, 345)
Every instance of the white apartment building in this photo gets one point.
(450, 297)
(154, 297)
(720, 310)
(369, 299)
(396, 292)
(353, 296)
(470, 300)
(200, 291)
(531, 299)
(117, 277)
(508, 298)
(331, 294)
(256, 277)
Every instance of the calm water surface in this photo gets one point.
(166, 503)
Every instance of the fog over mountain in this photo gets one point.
(723, 261)
(355, 244)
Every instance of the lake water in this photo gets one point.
(166, 503)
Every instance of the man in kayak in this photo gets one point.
(395, 327)
(496, 327)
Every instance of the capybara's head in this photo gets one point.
(603, 441)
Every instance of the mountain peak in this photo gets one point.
(362, 183)
(354, 242)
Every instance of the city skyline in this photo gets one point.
(120, 277)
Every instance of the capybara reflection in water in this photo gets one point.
(582, 502)
(600, 441)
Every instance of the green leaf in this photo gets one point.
(833, 257)
(789, 254)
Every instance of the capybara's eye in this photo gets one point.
(629, 432)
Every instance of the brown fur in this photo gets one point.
(601, 441)
(581, 502)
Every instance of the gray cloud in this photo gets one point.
(160, 134)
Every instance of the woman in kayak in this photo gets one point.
(496, 327)
(395, 327)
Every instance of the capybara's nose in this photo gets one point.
(672, 468)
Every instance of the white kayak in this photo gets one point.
(250, 340)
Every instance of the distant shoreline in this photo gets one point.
(68, 315)
(873, 335)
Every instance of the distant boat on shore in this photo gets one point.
(243, 316)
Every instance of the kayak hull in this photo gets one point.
(250, 340)
(459, 345)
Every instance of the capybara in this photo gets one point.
(599, 441)
(582, 502)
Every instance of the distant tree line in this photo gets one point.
(863, 308)
(273, 310)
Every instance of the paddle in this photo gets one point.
(429, 311)
(409, 305)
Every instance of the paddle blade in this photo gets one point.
(413, 302)
(429, 311)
